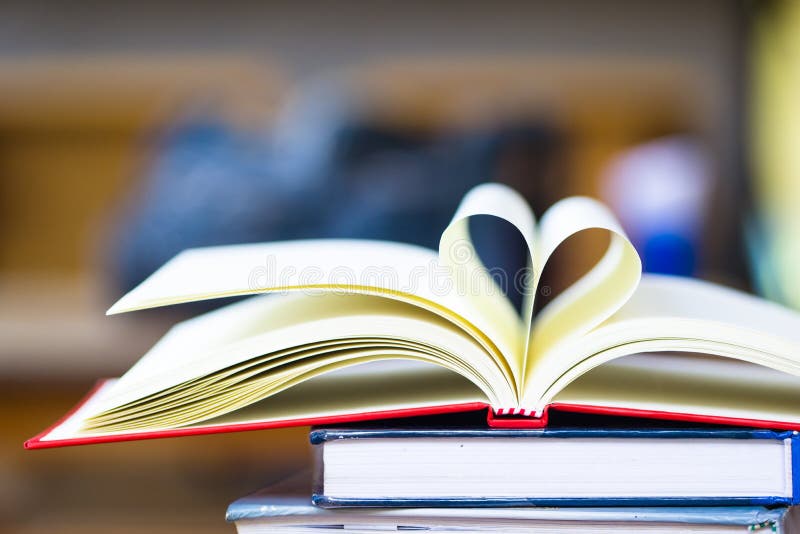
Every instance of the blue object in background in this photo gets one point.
(660, 191)
(669, 253)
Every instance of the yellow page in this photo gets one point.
(271, 324)
(679, 314)
(590, 300)
(690, 384)
(377, 386)
(217, 382)
(471, 278)
(403, 272)
(347, 265)
(268, 369)
(453, 284)
(234, 397)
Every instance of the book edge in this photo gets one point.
(328, 502)
(38, 441)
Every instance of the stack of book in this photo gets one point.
(561, 480)
(354, 332)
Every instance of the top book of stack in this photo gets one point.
(353, 330)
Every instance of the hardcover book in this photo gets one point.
(296, 516)
(265, 511)
(351, 330)
(566, 467)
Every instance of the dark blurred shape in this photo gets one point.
(528, 157)
(351, 178)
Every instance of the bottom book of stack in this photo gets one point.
(265, 512)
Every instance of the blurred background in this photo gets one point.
(130, 131)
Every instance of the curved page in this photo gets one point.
(403, 272)
(470, 277)
(260, 336)
(381, 386)
(589, 301)
(678, 314)
(689, 384)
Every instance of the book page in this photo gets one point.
(403, 272)
(668, 313)
(473, 280)
(595, 296)
(690, 384)
(753, 317)
(346, 265)
(377, 386)
(225, 359)
(453, 284)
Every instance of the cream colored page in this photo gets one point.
(679, 314)
(404, 272)
(686, 298)
(473, 280)
(689, 384)
(349, 265)
(375, 386)
(384, 385)
(231, 381)
(181, 412)
(272, 323)
(749, 328)
(596, 295)
(276, 367)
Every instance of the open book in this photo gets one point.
(352, 330)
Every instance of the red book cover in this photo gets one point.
(493, 420)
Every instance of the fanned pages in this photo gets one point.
(347, 330)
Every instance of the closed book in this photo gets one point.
(554, 467)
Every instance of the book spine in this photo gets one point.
(515, 418)
(318, 461)
(794, 476)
